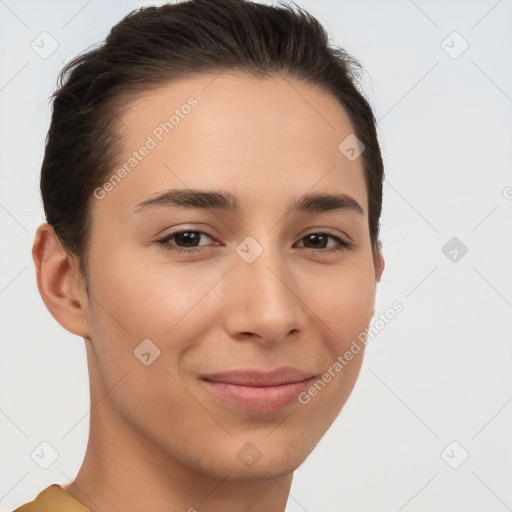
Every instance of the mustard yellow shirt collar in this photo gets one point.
(53, 498)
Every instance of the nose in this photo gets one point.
(265, 300)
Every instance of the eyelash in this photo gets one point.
(344, 245)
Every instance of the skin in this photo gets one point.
(159, 440)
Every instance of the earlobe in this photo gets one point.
(59, 282)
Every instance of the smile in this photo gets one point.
(257, 391)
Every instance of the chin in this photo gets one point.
(239, 459)
(262, 470)
(262, 459)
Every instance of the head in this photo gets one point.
(212, 184)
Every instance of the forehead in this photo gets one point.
(267, 110)
(237, 132)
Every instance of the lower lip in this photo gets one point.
(260, 399)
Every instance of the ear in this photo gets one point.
(60, 284)
(379, 264)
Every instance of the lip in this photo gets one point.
(258, 390)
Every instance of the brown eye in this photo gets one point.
(319, 241)
(184, 241)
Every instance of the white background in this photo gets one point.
(439, 372)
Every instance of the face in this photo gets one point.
(195, 299)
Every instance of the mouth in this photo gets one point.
(259, 391)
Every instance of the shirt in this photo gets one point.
(53, 499)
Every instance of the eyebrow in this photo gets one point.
(193, 198)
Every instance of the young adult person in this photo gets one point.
(212, 184)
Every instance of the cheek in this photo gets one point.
(345, 307)
(138, 298)
(133, 303)
(172, 307)
(344, 302)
